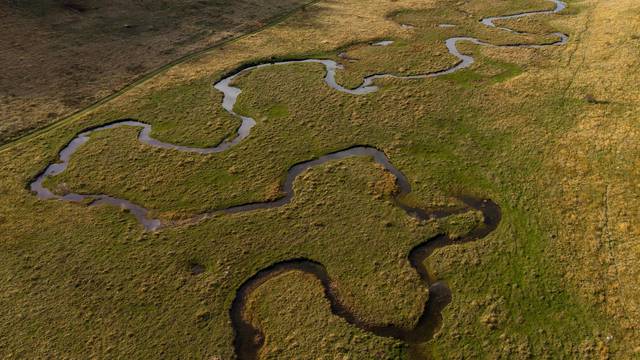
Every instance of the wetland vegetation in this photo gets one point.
(553, 279)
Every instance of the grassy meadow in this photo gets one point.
(548, 134)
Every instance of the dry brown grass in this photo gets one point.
(597, 163)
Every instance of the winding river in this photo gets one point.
(248, 339)
(231, 94)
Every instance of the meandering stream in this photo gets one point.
(439, 294)
(249, 339)
(231, 94)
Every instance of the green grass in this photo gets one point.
(278, 111)
(87, 280)
(500, 71)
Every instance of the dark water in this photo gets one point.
(248, 339)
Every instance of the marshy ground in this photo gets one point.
(549, 134)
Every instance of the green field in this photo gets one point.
(549, 134)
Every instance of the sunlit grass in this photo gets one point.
(85, 279)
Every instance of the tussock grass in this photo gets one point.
(555, 280)
(319, 334)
